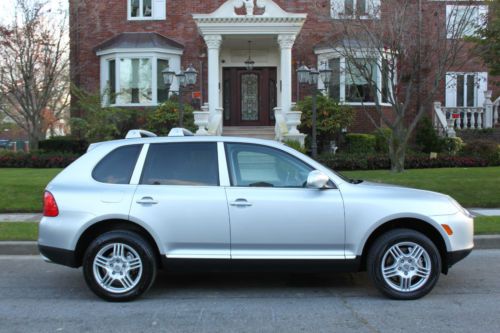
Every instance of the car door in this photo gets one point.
(273, 215)
(179, 197)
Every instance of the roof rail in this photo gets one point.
(138, 133)
(178, 131)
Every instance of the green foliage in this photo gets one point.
(331, 118)
(488, 150)
(64, 144)
(102, 123)
(295, 145)
(382, 137)
(360, 143)
(166, 116)
(427, 138)
(452, 145)
(488, 39)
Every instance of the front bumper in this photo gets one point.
(456, 256)
(59, 256)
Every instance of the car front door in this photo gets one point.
(179, 197)
(273, 215)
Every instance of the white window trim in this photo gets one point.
(340, 16)
(342, 93)
(450, 33)
(480, 83)
(173, 61)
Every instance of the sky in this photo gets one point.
(7, 8)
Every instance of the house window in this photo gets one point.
(364, 9)
(466, 89)
(146, 9)
(134, 80)
(350, 82)
(463, 21)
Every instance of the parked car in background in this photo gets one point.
(129, 207)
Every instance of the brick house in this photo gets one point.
(122, 46)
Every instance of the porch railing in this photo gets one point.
(448, 119)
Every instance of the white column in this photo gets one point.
(286, 44)
(213, 44)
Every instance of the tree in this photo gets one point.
(400, 61)
(34, 67)
(488, 39)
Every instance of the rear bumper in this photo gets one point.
(59, 256)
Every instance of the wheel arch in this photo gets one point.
(416, 224)
(103, 226)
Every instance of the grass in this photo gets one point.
(18, 231)
(28, 231)
(472, 187)
(22, 189)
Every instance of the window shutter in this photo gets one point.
(159, 9)
(337, 8)
(451, 90)
(373, 8)
(482, 86)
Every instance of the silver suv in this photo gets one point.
(130, 207)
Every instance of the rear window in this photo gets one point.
(193, 163)
(117, 167)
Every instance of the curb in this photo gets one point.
(482, 242)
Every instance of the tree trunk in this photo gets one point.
(397, 150)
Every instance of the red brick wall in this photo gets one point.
(92, 22)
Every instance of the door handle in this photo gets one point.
(240, 203)
(147, 201)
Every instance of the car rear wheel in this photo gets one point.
(404, 264)
(119, 266)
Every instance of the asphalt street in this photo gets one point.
(40, 297)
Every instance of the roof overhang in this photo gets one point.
(226, 21)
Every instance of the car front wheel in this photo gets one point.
(404, 264)
(119, 266)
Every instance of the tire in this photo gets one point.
(404, 264)
(119, 266)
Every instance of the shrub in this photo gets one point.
(426, 137)
(35, 160)
(64, 144)
(332, 117)
(360, 143)
(295, 145)
(166, 116)
(382, 137)
(452, 145)
(484, 149)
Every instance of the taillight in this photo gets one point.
(49, 205)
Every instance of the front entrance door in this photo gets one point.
(249, 96)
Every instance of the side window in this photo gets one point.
(117, 166)
(192, 163)
(260, 166)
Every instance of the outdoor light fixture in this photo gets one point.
(185, 79)
(311, 76)
(249, 63)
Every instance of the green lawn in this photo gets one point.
(472, 187)
(22, 189)
(28, 231)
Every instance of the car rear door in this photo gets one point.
(273, 215)
(179, 197)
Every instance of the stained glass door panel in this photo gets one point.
(250, 97)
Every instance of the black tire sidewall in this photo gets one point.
(383, 243)
(149, 266)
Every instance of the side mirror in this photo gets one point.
(317, 179)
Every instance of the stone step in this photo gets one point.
(259, 132)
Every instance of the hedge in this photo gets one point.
(361, 143)
(343, 162)
(36, 160)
